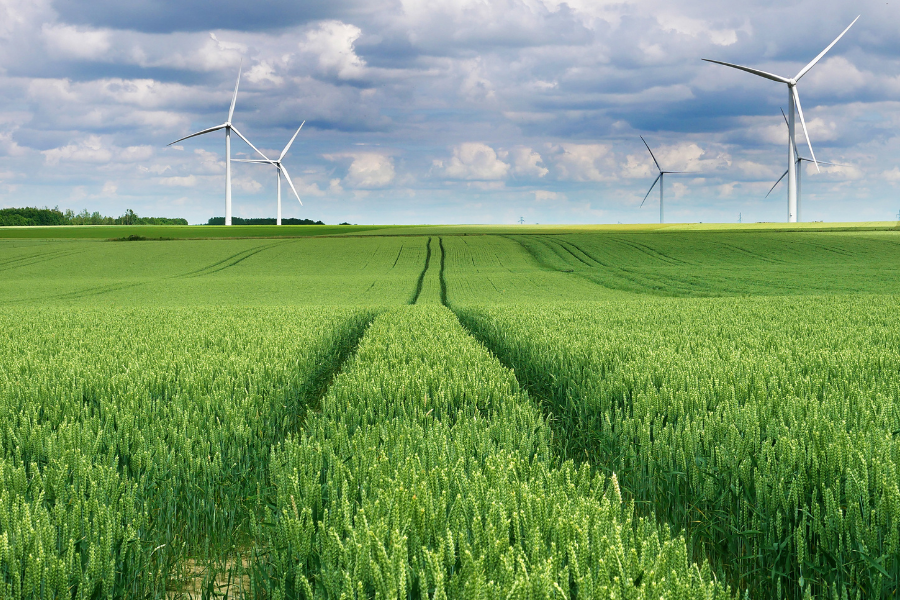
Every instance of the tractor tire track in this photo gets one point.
(421, 279)
(755, 255)
(644, 248)
(398, 256)
(232, 260)
(33, 259)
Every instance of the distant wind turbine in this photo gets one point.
(279, 171)
(793, 106)
(228, 127)
(800, 160)
(659, 178)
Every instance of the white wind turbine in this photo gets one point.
(279, 170)
(800, 161)
(659, 178)
(793, 106)
(228, 127)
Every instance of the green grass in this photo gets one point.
(192, 410)
(154, 232)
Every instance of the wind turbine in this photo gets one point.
(228, 127)
(279, 170)
(659, 178)
(800, 160)
(793, 106)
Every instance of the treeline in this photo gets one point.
(11, 217)
(267, 221)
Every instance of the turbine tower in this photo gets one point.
(793, 107)
(800, 161)
(659, 178)
(228, 127)
(279, 170)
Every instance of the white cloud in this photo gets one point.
(68, 42)
(135, 154)
(187, 181)
(546, 195)
(246, 184)
(110, 189)
(90, 150)
(264, 72)
(331, 42)
(369, 170)
(9, 146)
(526, 162)
(726, 190)
(584, 162)
(892, 175)
(473, 161)
(475, 86)
(209, 161)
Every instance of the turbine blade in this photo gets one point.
(291, 183)
(651, 189)
(234, 97)
(253, 160)
(812, 63)
(821, 162)
(283, 152)
(788, 125)
(749, 70)
(776, 183)
(803, 122)
(209, 130)
(240, 135)
(658, 168)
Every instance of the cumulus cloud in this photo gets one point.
(526, 162)
(331, 43)
(555, 91)
(264, 71)
(68, 42)
(584, 162)
(473, 161)
(90, 150)
(367, 170)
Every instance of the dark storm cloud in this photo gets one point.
(167, 16)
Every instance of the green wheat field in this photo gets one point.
(450, 412)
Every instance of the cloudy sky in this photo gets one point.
(448, 111)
